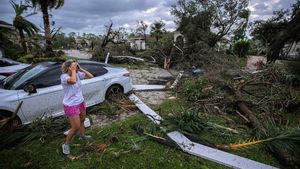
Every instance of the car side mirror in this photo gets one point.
(30, 88)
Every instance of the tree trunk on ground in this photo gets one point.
(260, 130)
(243, 108)
(23, 43)
(49, 51)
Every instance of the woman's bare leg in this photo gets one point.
(75, 126)
(82, 118)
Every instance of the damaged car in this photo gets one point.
(39, 91)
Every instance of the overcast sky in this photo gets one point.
(90, 16)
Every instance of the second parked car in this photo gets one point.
(9, 67)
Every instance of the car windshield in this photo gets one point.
(14, 81)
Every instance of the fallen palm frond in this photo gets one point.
(222, 127)
(288, 140)
(244, 144)
(187, 121)
(39, 129)
(192, 123)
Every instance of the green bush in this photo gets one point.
(193, 89)
(241, 47)
(26, 59)
(32, 59)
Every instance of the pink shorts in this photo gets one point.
(74, 110)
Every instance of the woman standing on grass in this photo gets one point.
(74, 105)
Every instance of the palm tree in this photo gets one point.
(21, 24)
(44, 5)
(157, 30)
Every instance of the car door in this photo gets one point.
(93, 89)
(47, 101)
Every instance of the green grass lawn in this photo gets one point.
(126, 150)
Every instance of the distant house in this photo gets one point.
(294, 50)
(137, 43)
(82, 43)
(291, 51)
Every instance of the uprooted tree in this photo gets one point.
(115, 36)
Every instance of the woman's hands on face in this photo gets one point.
(73, 66)
(79, 67)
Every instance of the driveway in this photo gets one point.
(77, 53)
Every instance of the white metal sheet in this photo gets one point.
(148, 87)
(145, 109)
(215, 155)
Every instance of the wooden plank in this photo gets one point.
(145, 109)
(148, 87)
(215, 155)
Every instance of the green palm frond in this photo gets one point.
(49, 4)
(284, 139)
(187, 121)
(19, 8)
(20, 22)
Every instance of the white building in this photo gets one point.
(294, 50)
(137, 43)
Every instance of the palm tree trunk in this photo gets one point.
(49, 50)
(23, 43)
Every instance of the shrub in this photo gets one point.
(241, 47)
(193, 89)
(32, 59)
(26, 59)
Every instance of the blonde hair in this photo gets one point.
(65, 66)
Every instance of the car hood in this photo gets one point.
(13, 68)
(5, 93)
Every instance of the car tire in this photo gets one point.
(114, 92)
(11, 124)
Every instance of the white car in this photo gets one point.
(9, 67)
(38, 88)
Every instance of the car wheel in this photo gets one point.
(11, 124)
(114, 92)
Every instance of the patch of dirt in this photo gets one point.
(99, 120)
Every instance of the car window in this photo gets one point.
(15, 81)
(47, 79)
(96, 70)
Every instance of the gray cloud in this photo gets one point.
(91, 16)
(264, 9)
